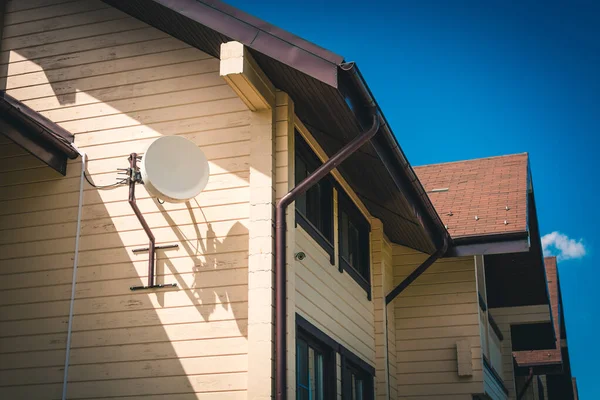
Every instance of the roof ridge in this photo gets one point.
(473, 159)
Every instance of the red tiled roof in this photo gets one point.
(542, 357)
(482, 188)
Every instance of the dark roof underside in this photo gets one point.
(518, 279)
(309, 74)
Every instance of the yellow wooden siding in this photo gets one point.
(118, 84)
(332, 301)
(284, 181)
(507, 316)
(383, 283)
(431, 315)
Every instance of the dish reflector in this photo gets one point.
(174, 169)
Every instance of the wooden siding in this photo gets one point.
(383, 283)
(284, 181)
(431, 315)
(507, 316)
(117, 84)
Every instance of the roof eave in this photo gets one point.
(257, 35)
(38, 135)
(389, 152)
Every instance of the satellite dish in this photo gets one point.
(174, 169)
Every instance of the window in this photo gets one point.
(311, 382)
(354, 242)
(357, 378)
(315, 363)
(314, 209)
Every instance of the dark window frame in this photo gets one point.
(315, 338)
(347, 206)
(352, 364)
(303, 151)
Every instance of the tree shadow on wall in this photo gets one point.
(220, 274)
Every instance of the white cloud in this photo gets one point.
(562, 246)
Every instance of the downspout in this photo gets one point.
(527, 384)
(74, 278)
(280, 248)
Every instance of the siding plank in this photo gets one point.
(431, 315)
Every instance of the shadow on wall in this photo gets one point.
(212, 258)
(116, 97)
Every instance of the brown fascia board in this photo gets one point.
(513, 242)
(260, 36)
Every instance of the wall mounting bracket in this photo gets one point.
(134, 177)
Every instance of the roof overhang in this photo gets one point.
(35, 133)
(542, 361)
(330, 98)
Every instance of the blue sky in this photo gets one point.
(468, 79)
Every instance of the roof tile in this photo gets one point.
(483, 188)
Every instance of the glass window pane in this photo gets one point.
(314, 207)
(359, 389)
(302, 363)
(353, 244)
(319, 384)
(301, 173)
(302, 394)
(316, 204)
(344, 235)
(315, 362)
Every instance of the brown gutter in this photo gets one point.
(280, 248)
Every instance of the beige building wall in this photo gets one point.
(434, 313)
(507, 316)
(118, 84)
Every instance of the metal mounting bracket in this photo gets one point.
(134, 177)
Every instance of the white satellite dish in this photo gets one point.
(174, 169)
